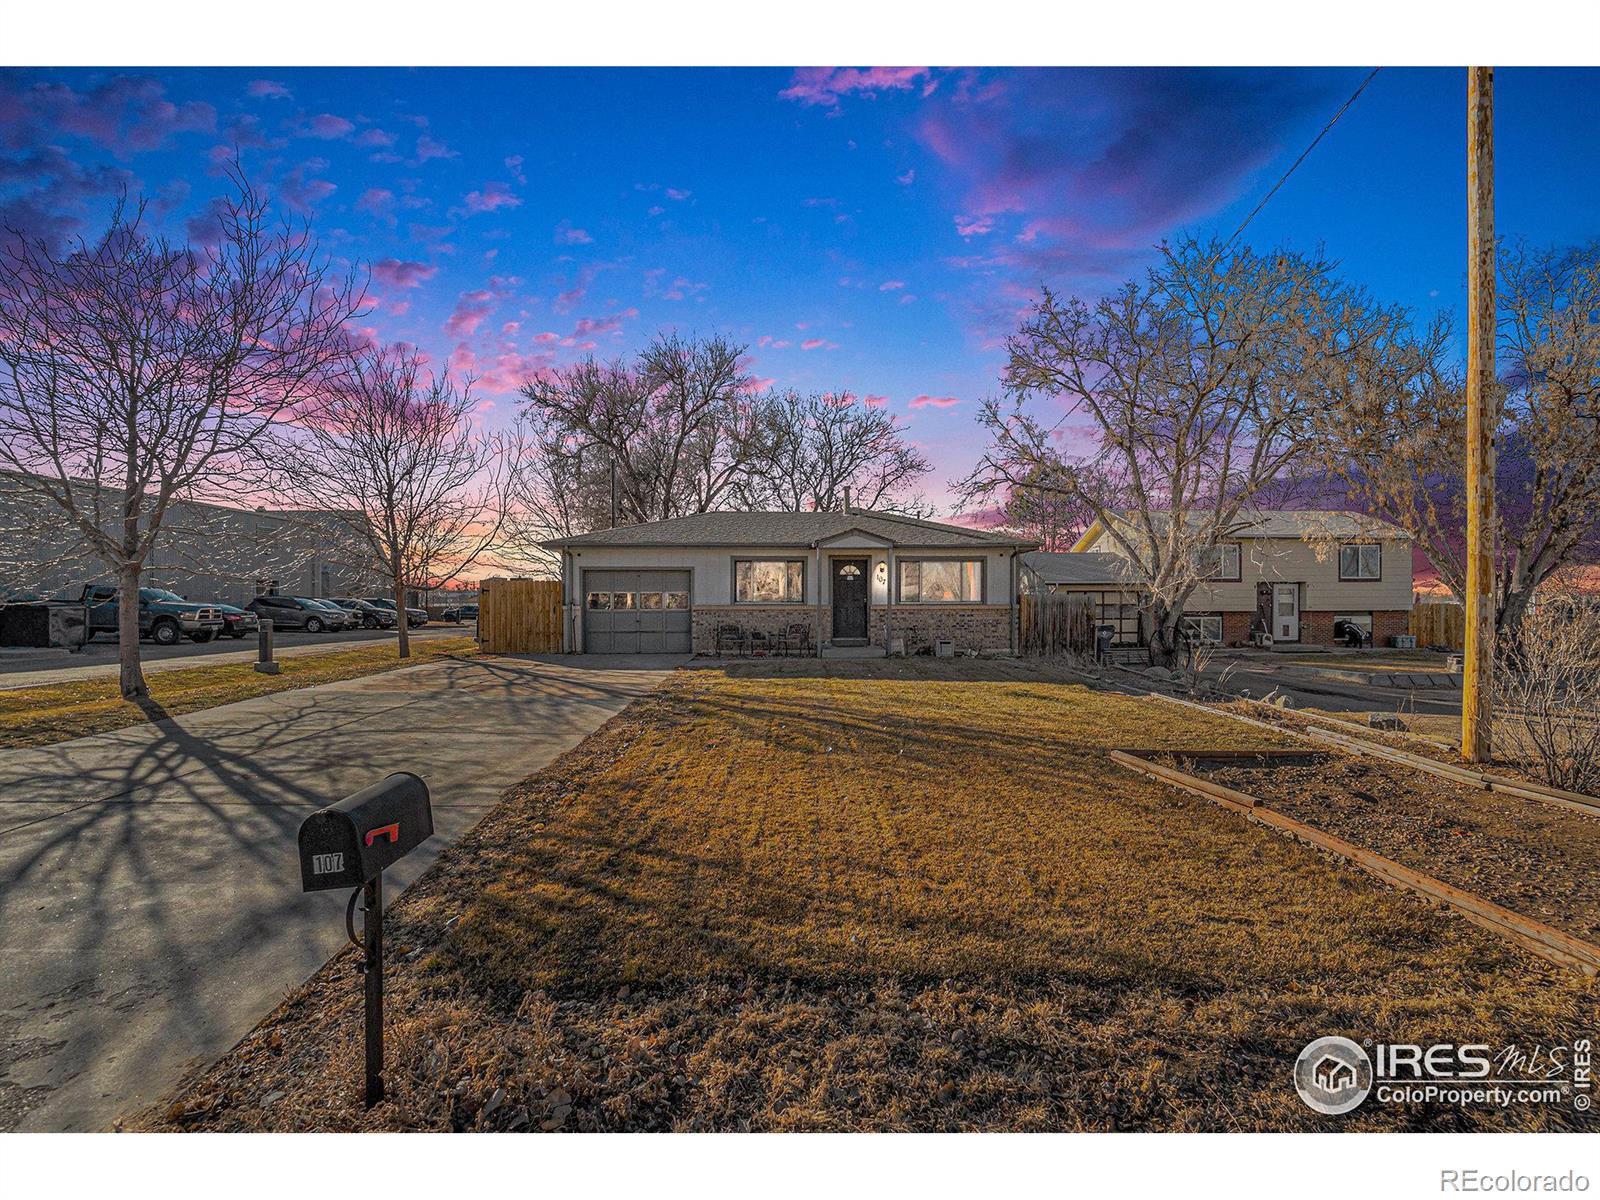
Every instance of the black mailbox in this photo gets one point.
(347, 844)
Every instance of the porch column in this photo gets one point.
(888, 600)
(818, 586)
(1011, 595)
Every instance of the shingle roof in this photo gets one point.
(789, 529)
(1305, 523)
(1082, 566)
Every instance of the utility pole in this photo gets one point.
(1477, 709)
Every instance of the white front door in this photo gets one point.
(1286, 612)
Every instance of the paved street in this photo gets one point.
(1315, 689)
(98, 660)
(150, 904)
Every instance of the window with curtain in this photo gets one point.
(769, 581)
(1364, 561)
(941, 581)
(1219, 562)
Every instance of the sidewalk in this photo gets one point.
(150, 903)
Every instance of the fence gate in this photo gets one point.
(520, 616)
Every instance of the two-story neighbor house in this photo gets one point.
(854, 579)
(1290, 573)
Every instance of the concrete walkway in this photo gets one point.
(150, 903)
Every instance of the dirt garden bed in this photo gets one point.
(1535, 859)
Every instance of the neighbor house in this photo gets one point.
(1290, 573)
(855, 579)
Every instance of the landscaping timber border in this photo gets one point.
(1547, 942)
(1578, 802)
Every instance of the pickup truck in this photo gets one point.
(164, 617)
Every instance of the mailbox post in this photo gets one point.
(265, 663)
(349, 844)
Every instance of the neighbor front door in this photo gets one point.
(1286, 612)
(849, 598)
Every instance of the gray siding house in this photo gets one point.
(856, 579)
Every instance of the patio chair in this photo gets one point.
(796, 639)
(761, 644)
(730, 641)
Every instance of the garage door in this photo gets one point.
(636, 612)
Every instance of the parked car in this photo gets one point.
(292, 612)
(339, 618)
(369, 616)
(414, 616)
(164, 617)
(464, 612)
(238, 622)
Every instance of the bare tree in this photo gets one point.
(807, 450)
(1202, 385)
(676, 424)
(1547, 688)
(395, 453)
(136, 372)
(1399, 447)
(561, 487)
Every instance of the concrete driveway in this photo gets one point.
(150, 903)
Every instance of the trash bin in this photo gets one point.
(1103, 637)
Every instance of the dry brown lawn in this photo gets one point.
(56, 712)
(806, 896)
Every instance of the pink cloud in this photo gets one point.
(875, 401)
(891, 285)
(429, 147)
(267, 89)
(514, 165)
(470, 311)
(379, 202)
(375, 137)
(568, 235)
(329, 127)
(678, 193)
(758, 383)
(933, 402)
(401, 273)
(907, 179)
(127, 114)
(491, 196)
(825, 85)
(594, 326)
(971, 226)
(301, 191)
(812, 343)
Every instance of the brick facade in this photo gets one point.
(1316, 628)
(1236, 628)
(969, 626)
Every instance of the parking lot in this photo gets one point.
(99, 657)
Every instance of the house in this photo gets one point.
(1293, 573)
(855, 579)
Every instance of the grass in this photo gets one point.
(59, 711)
(863, 896)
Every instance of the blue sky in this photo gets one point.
(873, 230)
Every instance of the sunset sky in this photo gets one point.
(874, 230)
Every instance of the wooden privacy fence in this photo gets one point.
(1437, 624)
(520, 616)
(1057, 623)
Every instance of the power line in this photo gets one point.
(1343, 109)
